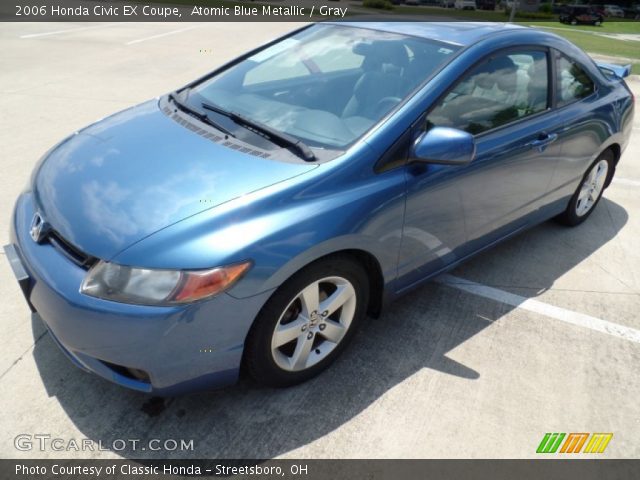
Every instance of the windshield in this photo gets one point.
(326, 85)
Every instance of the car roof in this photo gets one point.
(459, 33)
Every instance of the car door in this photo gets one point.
(580, 107)
(452, 211)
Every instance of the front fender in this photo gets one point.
(386, 259)
(283, 228)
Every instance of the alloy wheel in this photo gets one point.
(313, 324)
(592, 188)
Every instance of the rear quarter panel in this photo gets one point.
(591, 125)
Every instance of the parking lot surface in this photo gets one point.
(540, 334)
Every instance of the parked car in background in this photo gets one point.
(465, 4)
(580, 14)
(613, 11)
(254, 218)
(599, 9)
(486, 4)
(632, 12)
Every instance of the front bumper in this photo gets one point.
(180, 349)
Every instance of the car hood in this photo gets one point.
(138, 171)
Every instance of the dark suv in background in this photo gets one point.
(575, 14)
(486, 4)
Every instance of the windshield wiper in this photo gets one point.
(276, 136)
(199, 115)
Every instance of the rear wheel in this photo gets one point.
(307, 323)
(589, 191)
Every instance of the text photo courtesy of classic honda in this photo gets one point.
(253, 219)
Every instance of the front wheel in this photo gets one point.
(590, 190)
(307, 323)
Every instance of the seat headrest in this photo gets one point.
(500, 71)
(380, 52)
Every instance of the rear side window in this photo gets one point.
(504, 88)
(573, 82)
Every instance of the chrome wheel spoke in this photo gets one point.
(287, 333)
(310, 298)
(298, 360)
(342, 295)
(584, 192)
(333, 331)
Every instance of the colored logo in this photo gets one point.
(573, 442)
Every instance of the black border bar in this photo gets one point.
(538, 469)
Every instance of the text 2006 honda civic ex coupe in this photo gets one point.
(256, 216)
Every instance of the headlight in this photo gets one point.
(146, 286)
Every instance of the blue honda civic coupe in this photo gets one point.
(253, 219)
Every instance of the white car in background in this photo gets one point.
(465, 4)
(613, 11)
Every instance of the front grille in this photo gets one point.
(70, 251)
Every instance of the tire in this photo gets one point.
(287, 328)
(590, 190)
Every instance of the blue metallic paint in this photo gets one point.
(445, 146)
(123, 181)
(120, 191)
(166, 342)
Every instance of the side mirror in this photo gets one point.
(445, 146)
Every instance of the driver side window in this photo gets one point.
(504, 88)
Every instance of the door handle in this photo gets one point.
(543, 140)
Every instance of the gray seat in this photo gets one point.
(383, 65)
(484, 100)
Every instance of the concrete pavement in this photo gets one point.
(443, 373)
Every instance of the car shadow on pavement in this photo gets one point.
(413, 334)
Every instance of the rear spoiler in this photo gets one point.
(620, 71)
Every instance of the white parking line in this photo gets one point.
(562, 314)
(626, 181)
(92, 27)
(162, 35)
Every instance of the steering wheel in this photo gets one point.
(385, 104)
